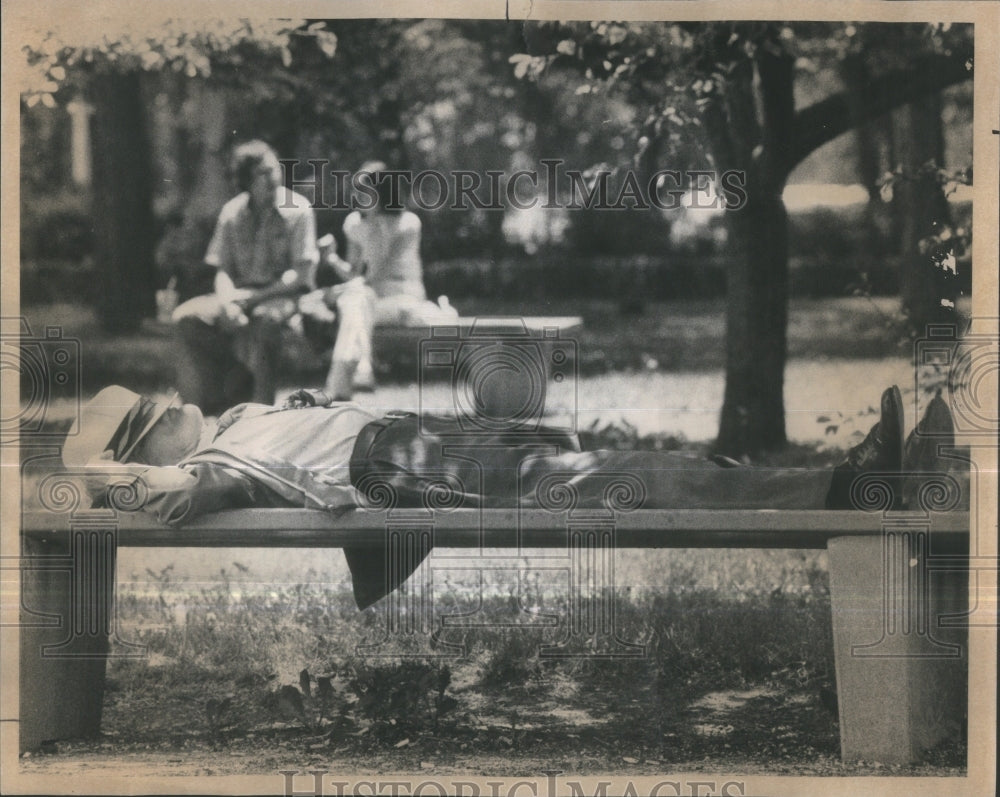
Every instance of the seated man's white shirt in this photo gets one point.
(257, 248)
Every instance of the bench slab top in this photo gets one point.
(503, 528)
(534, 324)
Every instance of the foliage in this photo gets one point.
(400, 697)
(152, 44)
(948, 247)
(738, 79)
(679, 72)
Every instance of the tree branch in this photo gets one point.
(827, 119)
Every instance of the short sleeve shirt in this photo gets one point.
(255, 249)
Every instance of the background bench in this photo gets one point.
(396, 348)
(896, 578)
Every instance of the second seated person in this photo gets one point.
(383, 245)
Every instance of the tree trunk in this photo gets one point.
(204, 139)
(123, 203)
(389, 131)
(753, 412)
(871, 136)
(767, 144)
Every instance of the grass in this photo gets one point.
(736, 675)
(204, 643)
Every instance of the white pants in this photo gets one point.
(359, 311)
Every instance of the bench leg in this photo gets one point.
(67, 625)
(901, 678)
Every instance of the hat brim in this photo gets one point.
(161, 408)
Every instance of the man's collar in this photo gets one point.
(255, 211)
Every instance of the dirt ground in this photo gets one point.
(524, 730)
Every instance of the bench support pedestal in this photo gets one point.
(901, 670)
(62, 664)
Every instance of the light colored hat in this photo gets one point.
(116, 419)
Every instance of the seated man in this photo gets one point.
(320, 454)
(264, 252)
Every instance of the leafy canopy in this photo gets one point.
(194, 47)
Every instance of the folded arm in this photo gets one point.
(176, 494)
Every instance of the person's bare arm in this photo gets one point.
(219, 256)
(354, 253)
(291, 283)
(329, 257)
(230, 297)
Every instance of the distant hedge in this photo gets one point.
(833, 252)
(617, 278)
(553, 275)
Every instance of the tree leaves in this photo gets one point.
(566, 47)
(150, 43)
(528, 66)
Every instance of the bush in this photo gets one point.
(448, 233)
(624, 232)
(56, 227)
(557, 274)
(839, 251)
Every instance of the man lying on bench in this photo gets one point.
(316, 453)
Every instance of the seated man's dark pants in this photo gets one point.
(211, 375)
(208, 372)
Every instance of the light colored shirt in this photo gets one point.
(260, 456)
(387, 247)
(256, 248)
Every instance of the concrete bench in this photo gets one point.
(397, 347)
(898, 591)
(395, 335)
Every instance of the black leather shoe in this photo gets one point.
(936, 431)
(882, 449)
(922, 454)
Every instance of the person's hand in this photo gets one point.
(305, 397)
(97, 473)
(316, 305)
(233, 316)
(341, 268)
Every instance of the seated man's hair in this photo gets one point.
(250, 158)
